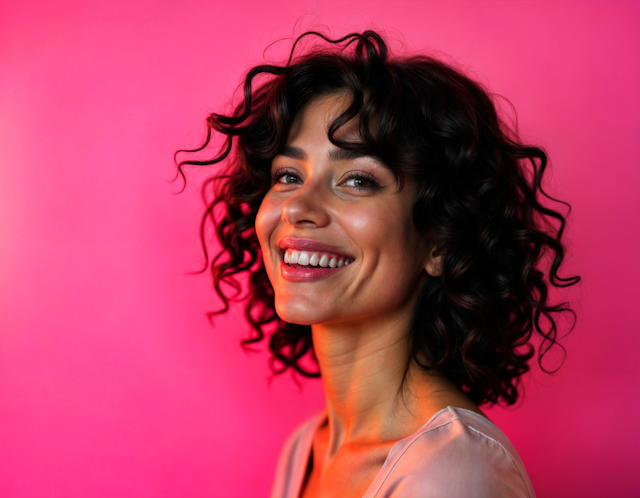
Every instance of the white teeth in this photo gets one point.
(303, 259)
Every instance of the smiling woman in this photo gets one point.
(393, 230)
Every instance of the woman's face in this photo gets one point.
(344, 221)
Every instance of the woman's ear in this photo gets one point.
(434, 260)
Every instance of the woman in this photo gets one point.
(393, 232)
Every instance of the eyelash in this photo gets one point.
(361, 175)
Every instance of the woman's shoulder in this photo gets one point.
(458, 453)
(291, 467)
(302, 434)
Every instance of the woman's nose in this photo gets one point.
(307, 207)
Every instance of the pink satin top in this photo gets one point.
(456, 454)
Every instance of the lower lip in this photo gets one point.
(294, 274)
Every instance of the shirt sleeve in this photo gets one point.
(455, 461)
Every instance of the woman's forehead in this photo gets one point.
(323, 107)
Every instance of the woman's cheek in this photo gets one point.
(266, 222)
(372, 227)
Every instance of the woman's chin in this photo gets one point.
(301, 315)
(298, 318)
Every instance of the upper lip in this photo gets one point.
(310, 245)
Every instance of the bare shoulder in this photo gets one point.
(459, 453)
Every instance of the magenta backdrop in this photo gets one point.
(112, 382)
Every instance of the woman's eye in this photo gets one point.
(361, 182)
(358, 182)
(285, 178)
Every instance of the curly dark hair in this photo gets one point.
(479, 195)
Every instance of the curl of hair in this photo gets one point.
(479, 195)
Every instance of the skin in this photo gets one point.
(361, 316)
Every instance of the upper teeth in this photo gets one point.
(306, 258)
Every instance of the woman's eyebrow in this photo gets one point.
(336, 154)
(345, 154)
(293, 153)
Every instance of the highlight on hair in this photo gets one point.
(479, 195)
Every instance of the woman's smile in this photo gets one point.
(303, 260)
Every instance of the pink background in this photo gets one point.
(112, 382)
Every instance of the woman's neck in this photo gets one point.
(369, 398)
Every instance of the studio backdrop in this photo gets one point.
(114, 384)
